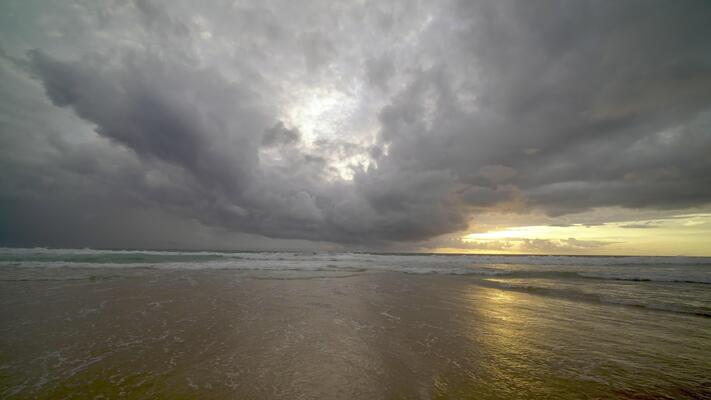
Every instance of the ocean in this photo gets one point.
(208, 324)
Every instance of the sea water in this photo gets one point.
(673, 284)
(140, 324)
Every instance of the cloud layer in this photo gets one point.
(365, 124)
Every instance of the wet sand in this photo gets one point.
(214, 334)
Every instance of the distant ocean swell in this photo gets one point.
(692, 270)
(671, 284)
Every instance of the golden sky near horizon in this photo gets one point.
(683, 234)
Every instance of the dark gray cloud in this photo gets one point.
(279, 135)
(365, 124)
(640, 226)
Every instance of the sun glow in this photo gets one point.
(687, 234)
(508, 233)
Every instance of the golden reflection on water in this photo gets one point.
(529, 346)
(504, 323)
(496, 333)
(506, 331)
(503, 299)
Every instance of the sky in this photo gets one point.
(551, 127)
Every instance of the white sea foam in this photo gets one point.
(659, 269)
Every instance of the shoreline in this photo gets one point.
(221, 334)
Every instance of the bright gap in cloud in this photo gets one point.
(320, 112)
(328, 113)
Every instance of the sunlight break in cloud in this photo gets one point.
(356, 125)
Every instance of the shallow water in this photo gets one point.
(283, 325)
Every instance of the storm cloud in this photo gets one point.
(363, 124)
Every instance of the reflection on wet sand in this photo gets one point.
(227, 334)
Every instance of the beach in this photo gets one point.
(135, 329)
